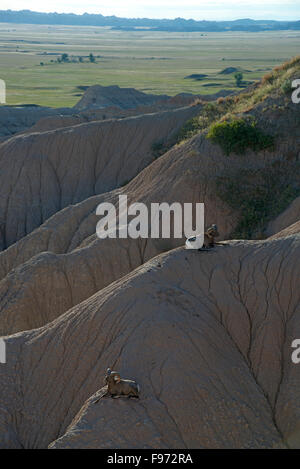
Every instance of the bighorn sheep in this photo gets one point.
(203, 242)
(209, 236)
(120, 387)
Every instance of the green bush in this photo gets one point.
(64, 57)
(238, 76)
(239, 134)
(286, 87)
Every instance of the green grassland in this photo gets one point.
(153, 62)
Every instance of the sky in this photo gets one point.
(196, 9)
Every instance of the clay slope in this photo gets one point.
(41, 173)
(207, 335)
(98, 96)
(113, 112)
(95, 113)
(288, 217)
(290, 230)
(14, 119)
(63, 262)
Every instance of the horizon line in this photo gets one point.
(148, 18)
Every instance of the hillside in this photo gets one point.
(43, 172)
(98, 97)
(196, 170)
(206, 334)
(204, 348)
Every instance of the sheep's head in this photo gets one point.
(108, 373)
(112, 376)
(213, 231)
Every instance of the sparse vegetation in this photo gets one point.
(270, 85)
(160, 148)
(259, 195)
(209, 113)
(286, 87)
(237, 135)
(222, 119)
(64, 57)
(267, 78)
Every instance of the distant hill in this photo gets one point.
(130, 24)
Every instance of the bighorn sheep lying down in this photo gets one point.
(120, 387)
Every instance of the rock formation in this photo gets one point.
(14, 119)
(213, 361)
(207, 334)
(46, 171)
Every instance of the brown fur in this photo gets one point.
(120, 387)
(209, 236)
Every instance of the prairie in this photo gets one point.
(153, 62)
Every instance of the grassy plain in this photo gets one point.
(153, 62)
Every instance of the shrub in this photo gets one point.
(64, 57)
(237, 135)
(286, 87)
